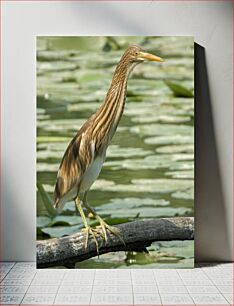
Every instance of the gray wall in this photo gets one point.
(209, 22)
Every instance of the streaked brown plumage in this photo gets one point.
(83, 159)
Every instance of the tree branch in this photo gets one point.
(137, 236)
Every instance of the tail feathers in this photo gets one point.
(59, 204)
(61, 197)
(56, 203)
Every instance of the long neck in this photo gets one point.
(110, 112)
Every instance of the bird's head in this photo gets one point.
(135, 54)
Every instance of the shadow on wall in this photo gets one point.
(211, 229)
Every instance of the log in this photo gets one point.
(138, 235)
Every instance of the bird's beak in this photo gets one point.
(150, 57)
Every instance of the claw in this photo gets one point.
(103, 227)
(89, 231)
(99, 232)
(114, 230)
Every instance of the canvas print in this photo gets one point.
(115, 152)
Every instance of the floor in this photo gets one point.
(207, 284)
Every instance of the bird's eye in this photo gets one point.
(136, 53)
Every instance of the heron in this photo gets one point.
(83, 159)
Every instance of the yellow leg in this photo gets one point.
(87, 229)
(76, 209)
(104, 226)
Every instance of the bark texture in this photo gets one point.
(137, 235)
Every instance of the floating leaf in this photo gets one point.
(187, 194)
(102, 184)
(162, 254)
(160, 186)
(173, 139)
(43, 221)
(52, 139)
(81, 43)
(175, 248)
(47, 167)
(128, 203)
(143, 211)
(179, 90)
(117, 151)
(181, 174)
(161, 118)
(65, 220)
(176, 149)
(174, 162)
(162, 130)
(60, 231)
(56, 66)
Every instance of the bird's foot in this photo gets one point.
(90, 231)
(113, 230)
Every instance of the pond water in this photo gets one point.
(149, 170)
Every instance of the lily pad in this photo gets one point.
(91, 106)
(143, 208)
(123, 41)
(47, 167)
(117, 151)
(61, 124)
(65, 220)
(179, 90)
(176, 149)
(145, 211)
(102, 184)
(69, 207)
(187, 194)
(119, 203)
(50, 154)
(52, 139)
(163, 185)
(160, 186)
(77, 42)
(60, 231)
(173, 139)
(173, 162)
(161, 118)
(162, 130)
(186, 174)
(176, 248)
(188, 165)
(55, 55)
(55, 66)
(43, 221)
